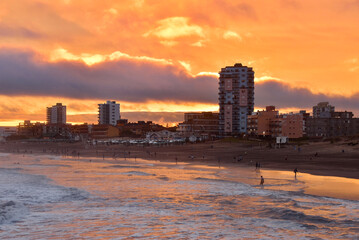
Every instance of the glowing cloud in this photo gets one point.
(175, 27)
(231, 35)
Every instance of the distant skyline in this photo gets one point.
(164, 56)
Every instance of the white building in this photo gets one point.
(56, 114)
(109, 113)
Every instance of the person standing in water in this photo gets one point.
(295, 172)
(262, 181)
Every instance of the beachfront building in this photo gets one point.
(269, 123)
(109, 113)
(236, 99)
(259, 123)
(7, 131)
(138, 129)
(205, 124)
(30, 130)
(162, 135)
(56, 114)
(104, 131)
(291, 125)
(327, 123)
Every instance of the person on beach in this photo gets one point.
(295, 172)
(262, 181)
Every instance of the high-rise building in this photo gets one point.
(236, 99)
(56, 114)
(109, 113)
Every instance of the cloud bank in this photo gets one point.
(138, 81)
(22, 73)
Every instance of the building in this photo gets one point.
(327, 123)
(236, 99)
(104, 131)
(81, 131)
(269, 123)
(323, 110)
(30, 130)
(58, 131)
(56, 114)
(109, 113)
(259, 123)
(7, 131)
(206, 124)
(162, 135)
(291, 125)
(138, 129)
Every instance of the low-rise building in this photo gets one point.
(81, 131)
(104, 131)
(162, 135)
(269, 123)
(339, 124)
(205, 124)
(7, 131)
(56, 131)
(260, 122)
(138, 129)
(30, 130)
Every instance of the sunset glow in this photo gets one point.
(165, 56)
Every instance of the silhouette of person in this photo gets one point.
(295, 172)
(262, 181)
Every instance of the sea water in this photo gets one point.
(49, 197)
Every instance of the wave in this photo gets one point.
(214, 179)
(30, 189)
(138, 173)
(164, 178)
(11, 212)
(292, 215)
(121, 166)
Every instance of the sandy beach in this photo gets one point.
(323, 158)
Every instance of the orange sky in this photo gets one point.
(163, 56)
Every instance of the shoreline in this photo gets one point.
(277, 180)
(330, 159)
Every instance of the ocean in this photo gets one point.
(54, 197)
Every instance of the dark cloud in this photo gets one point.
(283, 95)
(126, 80)
(139, 81)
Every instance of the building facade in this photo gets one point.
(30, 130)
(104, 131)
(56, 114)
(109, 113)
(269, 123)
(236, 99)
(326, 123)
(205, 123)
(323, 110)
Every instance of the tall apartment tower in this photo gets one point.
(56, 114)
(109, 113)
(236, 99)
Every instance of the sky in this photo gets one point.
(159, 59)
